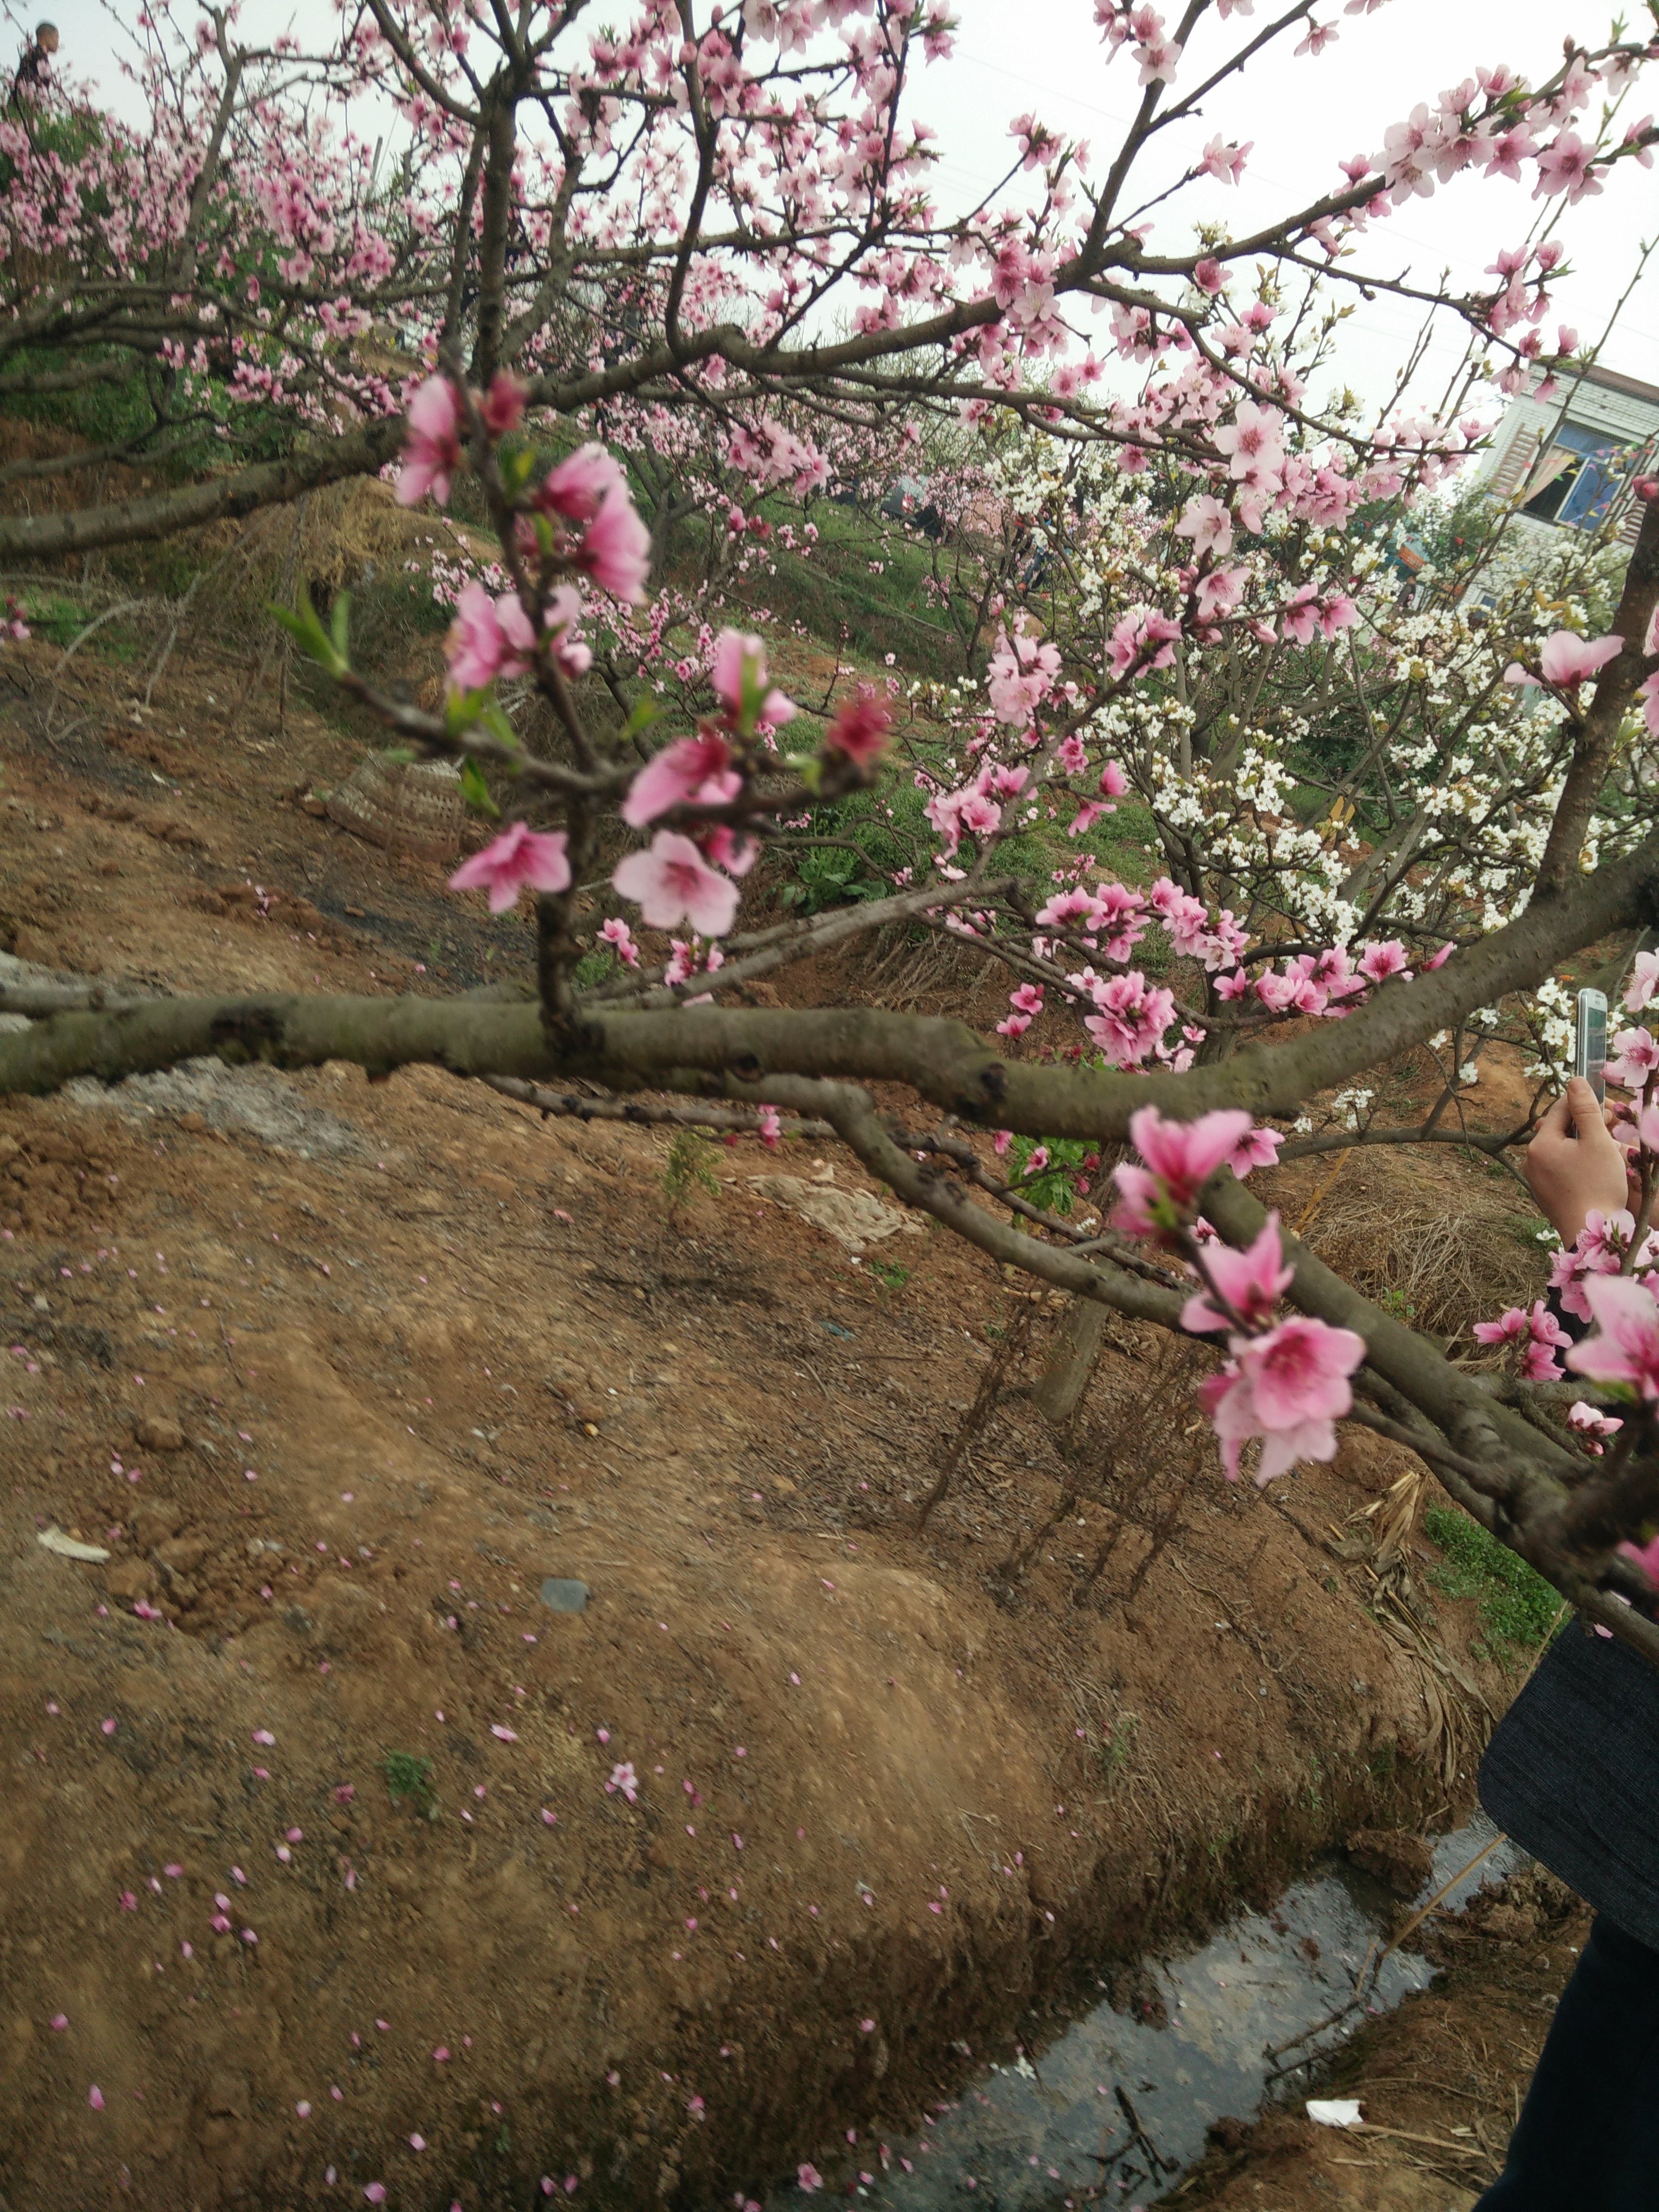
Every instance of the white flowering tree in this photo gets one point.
(1372, 828)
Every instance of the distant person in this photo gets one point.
(35, 70)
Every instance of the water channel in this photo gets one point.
(1115, 2109)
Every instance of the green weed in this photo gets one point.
(687, 1169)
(1517, 1606)
(1119, 1748)
(409, 1780)
(595, 968)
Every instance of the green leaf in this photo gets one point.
(302, 625)
(340, 625)
(752, 695)
(462, 709)
(494, 719)
(516, 469)
(475, 790)
(646, 711)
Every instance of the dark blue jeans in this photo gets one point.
(1588, 2137)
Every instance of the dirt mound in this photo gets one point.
(722, 1864)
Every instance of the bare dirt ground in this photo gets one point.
(340, 1373)
(1439, 2083)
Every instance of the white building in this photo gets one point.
(1567, 462)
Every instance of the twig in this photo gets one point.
(979, 1413)
(1445, 1888)
(647, 1113)
(230, 1357)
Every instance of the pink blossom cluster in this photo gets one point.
(1022, 674)
(1110, 920)
(1622, 1355)
(1535, 1336)
(586, 489)
(1217, 943)
(972, 811)
(1286, 1382)
(1326, 983)
(1487, 122)
(772, 454)
(1132, 1017)
(1601, 1248)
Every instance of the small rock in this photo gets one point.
(1510, 1923)
(182, 1555)
(561, 1595)
(1230, 2134)
(151, 1431)
(130, 1579)
(228, 2095)
(1046, 1891)
(580, 1401)
(1404, 1862)
(156, 1519)
(854, 1217)
(1131, 1987)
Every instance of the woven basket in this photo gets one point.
(410, 806)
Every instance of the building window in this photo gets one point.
(1575, 483)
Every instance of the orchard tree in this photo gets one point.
(714, 232)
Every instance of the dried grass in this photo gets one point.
(212, 589)
(1439, 1242)
(900, 969)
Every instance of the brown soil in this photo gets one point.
(1439, 2083)
(339, 1372)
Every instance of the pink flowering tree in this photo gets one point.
(1187, 610)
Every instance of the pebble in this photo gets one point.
(561, 1595)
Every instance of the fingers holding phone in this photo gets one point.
(1574, 1166)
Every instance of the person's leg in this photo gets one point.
(1588, 2137)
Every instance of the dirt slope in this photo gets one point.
(339, 1374)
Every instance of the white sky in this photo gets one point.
(1304, 115)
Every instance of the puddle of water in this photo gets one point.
(1117, 2109)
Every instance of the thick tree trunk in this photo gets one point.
(1072, 1357)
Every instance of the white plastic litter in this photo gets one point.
(1335, 2112)
(68, 1547)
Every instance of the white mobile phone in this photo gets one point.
(1589, 1044)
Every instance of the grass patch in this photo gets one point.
(60, 620)
(1517, 1606)
(409, 1781)
(687, 1168)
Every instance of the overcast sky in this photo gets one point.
(1305, 115)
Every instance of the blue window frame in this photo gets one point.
(1583, 472)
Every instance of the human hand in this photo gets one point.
(1573, 1167)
